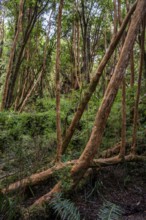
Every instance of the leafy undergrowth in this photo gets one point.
(119, 190)
(115, 192)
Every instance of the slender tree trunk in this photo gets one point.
(30, 92)
(132, 54)
(76, 83)
(1, 31)
(58, 119)
(78, 52)
(123, 133)
(94, 142)
(40, 75)
(119, 13)
(115, 17)
(132, 69)
(95, 80)
(127, 5)
(10, 65)
(16, 64)
(133, 147)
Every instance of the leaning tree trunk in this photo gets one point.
(25, 97)
(95, 80)
(94, 142)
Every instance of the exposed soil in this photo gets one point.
(123, 185)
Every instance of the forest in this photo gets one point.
(73, 109)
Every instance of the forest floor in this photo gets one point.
(123, 185)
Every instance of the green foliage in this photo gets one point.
(110, 211)
(65, 176)
(64, 208)
(9, 207)
(14, 126)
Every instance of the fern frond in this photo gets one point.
(110, 211)
(64, 208)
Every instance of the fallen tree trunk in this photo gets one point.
(116, 149)
(118, 159)
(48, 196)
(43, 199)
(97, 162)
(36, 178)
(110, 151)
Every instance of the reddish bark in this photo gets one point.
(95, 80)
(94, 142)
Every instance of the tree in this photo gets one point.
(94, 142)
(23, 30)
(76, 169)
(58, 119)
(94, 81)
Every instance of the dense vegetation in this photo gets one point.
(72, 87)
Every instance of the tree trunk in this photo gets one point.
(133, 148)
(15, 64)
(58, 119)
(95, 80)
(94, 142)
(132, 69)
(25, 96)
(1, 30)
(123, 133)
(10, 65)
(115, 16)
